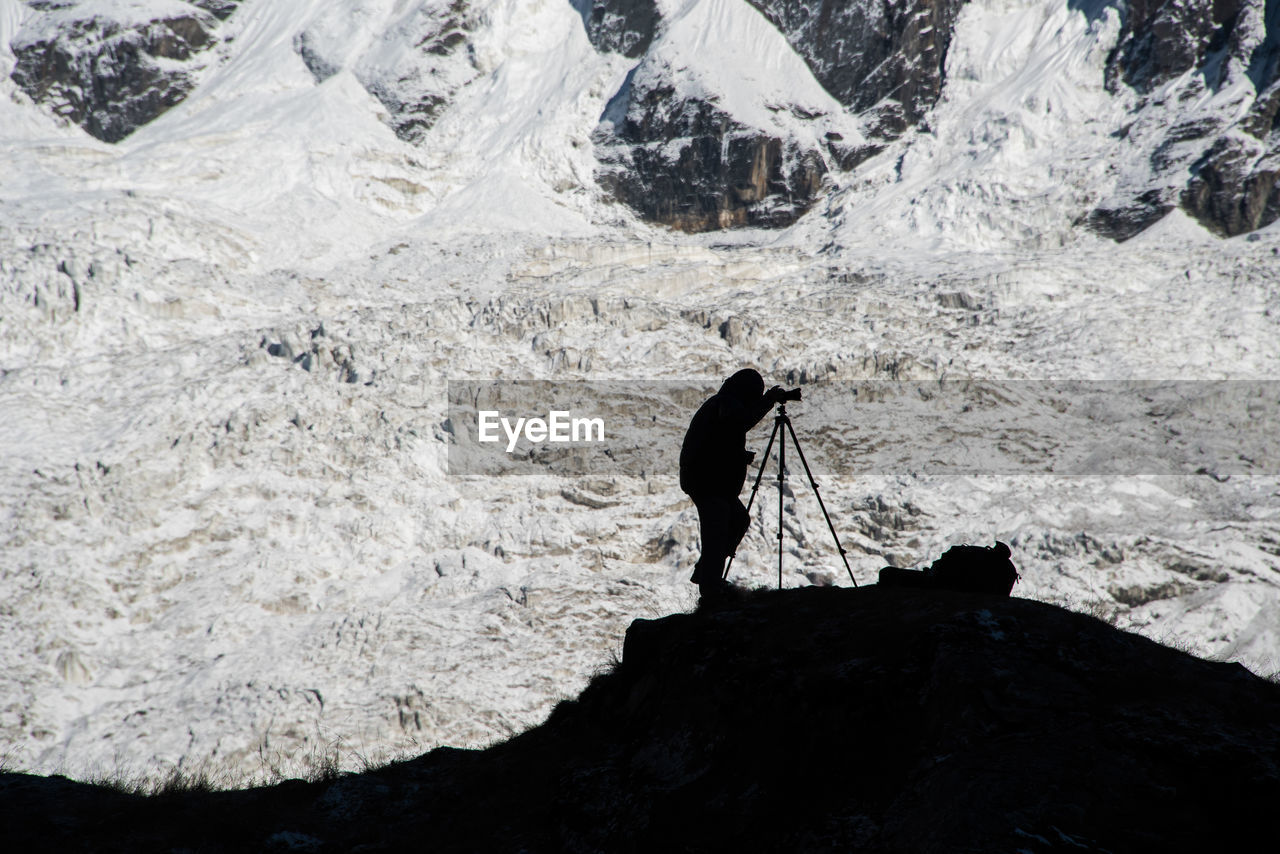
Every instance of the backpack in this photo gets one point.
(975, 569)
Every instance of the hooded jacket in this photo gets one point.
(713, 457)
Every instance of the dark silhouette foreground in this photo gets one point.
(815, 720)
(973, 569)
(713, 468)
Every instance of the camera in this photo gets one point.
(788, 394)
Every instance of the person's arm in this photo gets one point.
(752, 413)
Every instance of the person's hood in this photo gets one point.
(745, 385)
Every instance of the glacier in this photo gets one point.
(229, 539)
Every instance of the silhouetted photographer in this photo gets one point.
(713, 468)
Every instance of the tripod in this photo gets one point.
(781, 419)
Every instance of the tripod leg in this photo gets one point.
(782, 473)
(763, 462)
(754, 488)
(818, 495)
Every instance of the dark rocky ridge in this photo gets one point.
(1221, 170)
(687, 163)
(886, 63)
(413, 108)
(111, 79)
(884, 60)
(880, 59)
(619, 26)
(416, 90)
(1162, 39)
(818, 719)
(220, 9)
(725, 175)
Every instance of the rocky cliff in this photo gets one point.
(721, 124)
(1202, 76)
(883, 60)
(1206, 76)
(814, 719)
(689, 165)
(679, 158)
(735, 112)
(111, 70)
(414, 65)
(620, 26)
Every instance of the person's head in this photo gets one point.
(746, 384)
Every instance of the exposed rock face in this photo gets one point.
(415, 70)
(220, 9)
(690, 163)
(816, 720)
(682, 145)
(1131, 217)
(1234, 187)
(882, 59)
(723, 175)
(111, 77)
(1230, 149)
(620, 26)
(1162, 39)
(885, 62)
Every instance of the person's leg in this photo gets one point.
(714, 522)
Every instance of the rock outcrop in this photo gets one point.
(686, 161)
(111, 76)
(1203, 135)
(1207, 73)
(1235, 186)
(620, 26)
(883, 60)
(816, 719)
(691, 166)
(701, 139)
(1163, 39)
(220, 9)
(415, 69)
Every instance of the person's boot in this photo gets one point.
(701, 573)
(714, 591)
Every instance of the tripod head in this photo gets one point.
(782, 395)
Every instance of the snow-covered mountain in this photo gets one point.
(245, 246)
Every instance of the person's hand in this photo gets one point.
(778, 394)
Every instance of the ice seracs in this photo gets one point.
(227, 531)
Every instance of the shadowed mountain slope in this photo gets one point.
(814, 719)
